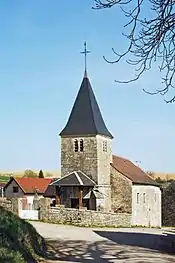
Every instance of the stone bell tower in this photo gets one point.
(86, 143)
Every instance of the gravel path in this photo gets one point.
(73, 244)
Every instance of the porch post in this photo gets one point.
(80, 197)
(58, 200)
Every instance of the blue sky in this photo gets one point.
(41, 69)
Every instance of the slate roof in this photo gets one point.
(131, 171)
(30, 185)
(76, 178)
(85, 117)
(50, 191)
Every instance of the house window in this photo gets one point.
(76, 145)
(81, 145)
(15, 189)
(104, 146)
(144, 198)
(137, 198)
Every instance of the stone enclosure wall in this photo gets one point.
(6, 204)
(82, 217)
(10, 204)
(72, 216)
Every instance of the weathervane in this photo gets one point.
(85, 52)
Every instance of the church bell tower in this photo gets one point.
(86, 142)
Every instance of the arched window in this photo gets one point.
(81, 145)
(76, 145)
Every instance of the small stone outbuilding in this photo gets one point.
(133, 191)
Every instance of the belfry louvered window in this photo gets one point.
(76, 145)
(81, 145)
(105, 146)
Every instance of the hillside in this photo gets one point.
(51, 173)
(4, 176)
(162, 176)
(19, 241)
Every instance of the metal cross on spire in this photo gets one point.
(85, 52)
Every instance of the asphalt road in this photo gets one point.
(74, 244)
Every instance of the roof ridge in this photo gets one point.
(128, 160)
(78, 177)
(118, 156)
(131, 171)
(62, 177)
(86, 176)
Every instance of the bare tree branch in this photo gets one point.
(151, 39)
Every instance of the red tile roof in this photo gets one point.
(30, 185)
(131, 171)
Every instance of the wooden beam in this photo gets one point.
(58, 199)
(80, 197)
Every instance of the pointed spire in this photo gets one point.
(85, 118)
(85, 73)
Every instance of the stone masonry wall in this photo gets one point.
(85, 161)
(94, 161)
(84, 217)
(6, 204)
(11, 204)
(104, 158)
(121, 192)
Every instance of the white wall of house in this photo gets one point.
(146, 205)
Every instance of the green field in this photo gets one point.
(4, 179)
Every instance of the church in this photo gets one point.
(95, 179)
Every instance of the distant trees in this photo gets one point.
(168, 203)
(41, 174)
(48, 174)
(30, 173)
(159, 180)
